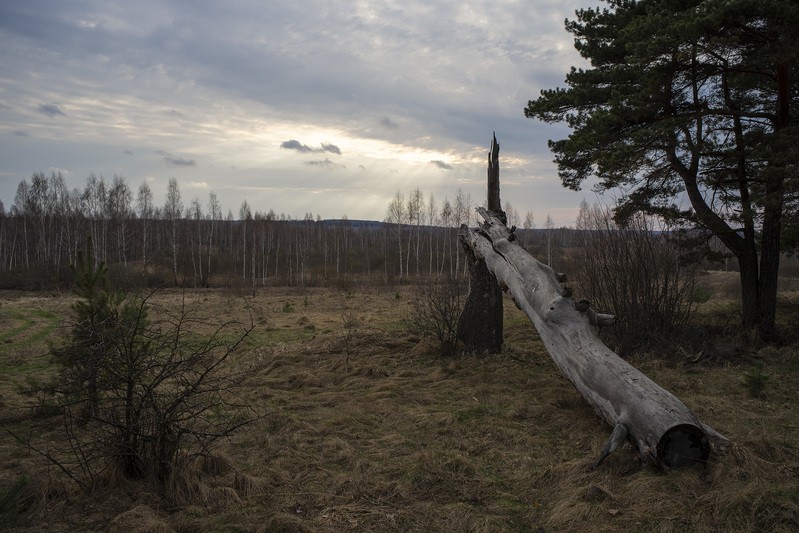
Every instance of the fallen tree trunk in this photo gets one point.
(663, 430)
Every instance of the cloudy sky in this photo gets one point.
(313, 105)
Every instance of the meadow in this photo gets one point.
(368, 428)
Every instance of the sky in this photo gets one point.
(318, 106)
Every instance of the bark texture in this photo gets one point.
(660, 427)
(481, 323)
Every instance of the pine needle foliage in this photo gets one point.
(141, 396)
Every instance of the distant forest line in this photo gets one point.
(195, 245)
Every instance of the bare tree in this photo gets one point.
(214, 214)
(462, 215)
(94, 206)
(550, 225)
(120, 212)
(415, 216)
(446, 221)
(144, 206)
(173, 209)
(511, 214)
(396, 216)
(529, 225)
(432, 219)
(20, 209)
(195, 214)
(245, 215)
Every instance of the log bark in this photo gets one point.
(658, 425)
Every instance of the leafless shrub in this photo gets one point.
(350, 323)
(436, 309)
(637, 272)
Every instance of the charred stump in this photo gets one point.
(481, 322)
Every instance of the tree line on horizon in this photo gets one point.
(195, 244)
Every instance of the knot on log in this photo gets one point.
(594, 318)
(567, 292)
(599, 319)
(582, 305)
(560, 276)
(557, 311)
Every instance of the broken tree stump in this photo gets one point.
(660, 427)
(481, 322)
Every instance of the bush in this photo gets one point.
(701, 295)
(350, 324)
(638, 272)
(435, 311)
(140, 396)
(12, 501)
(754, 380)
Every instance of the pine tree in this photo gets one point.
(90, 343)
(690, 104)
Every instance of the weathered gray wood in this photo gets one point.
(616, 439)
(662, 429)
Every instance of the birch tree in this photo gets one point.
(144, 207)
(173, 208)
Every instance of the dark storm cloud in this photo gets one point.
(386, 122)
(294, 144)
(180, 162)
(442, 165)
(326, 163)
(127, 152)
(20, 133)
(51, 110)
(170, 160)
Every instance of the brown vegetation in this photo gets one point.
(395, 438)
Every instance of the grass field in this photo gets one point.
(391, 437)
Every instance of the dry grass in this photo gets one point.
(398, 439)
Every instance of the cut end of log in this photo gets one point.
(683, 445)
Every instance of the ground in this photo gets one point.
(382, 434)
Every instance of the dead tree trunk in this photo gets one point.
(480, 325)
(663, 430)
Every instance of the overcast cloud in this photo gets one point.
(245, 97)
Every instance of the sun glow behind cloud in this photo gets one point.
(153, 90)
